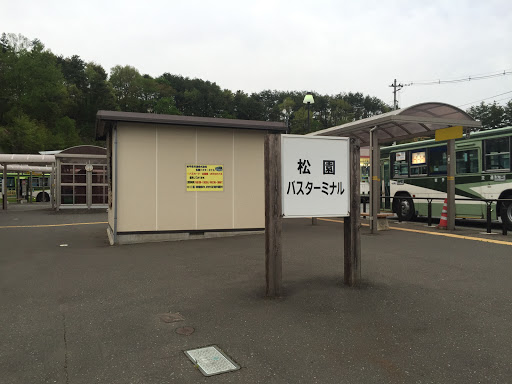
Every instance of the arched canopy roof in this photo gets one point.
(83, 150)
(27, 159)
(415, 121)
(27, 168)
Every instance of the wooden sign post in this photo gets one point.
(352, 224)
(321, 176)
(273, 215)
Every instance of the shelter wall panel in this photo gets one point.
(215, 208)
(176, 148)
(249, 180)
(136, 178)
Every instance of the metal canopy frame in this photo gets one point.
(27, 168)
(415, 121)
(27, 159)
(420, 120)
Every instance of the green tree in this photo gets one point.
(491, 115)
(299, 122)
(63, 134)
(341, 112)
(247, 107)
(32, 83)
(127, 84)
(23, 135)
(166, 106)
(508, 114)
(286, 108)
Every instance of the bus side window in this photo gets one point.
(437, 160)
(497, 154)
(400, 164)
(418, 162)
(467, 161)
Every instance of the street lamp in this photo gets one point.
(308, 99)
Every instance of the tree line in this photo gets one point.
(50, 102)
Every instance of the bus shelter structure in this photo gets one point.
(21, 163)
(81, 177)
(420, 120)
(176, 177)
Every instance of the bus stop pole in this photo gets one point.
(451, 185)
(4, 188)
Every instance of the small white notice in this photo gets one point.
(315, 176)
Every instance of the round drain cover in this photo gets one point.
(187, 331)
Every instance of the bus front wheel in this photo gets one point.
(42, 197)
(404, 207)
(506, 215)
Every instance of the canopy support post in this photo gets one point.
(374, 180)
(4, 188)
(450, 184)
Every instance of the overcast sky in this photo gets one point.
(323, 46)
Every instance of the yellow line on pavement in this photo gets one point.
(337, 221)
(50, 225)
(436, 234)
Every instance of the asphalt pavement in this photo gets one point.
(430, 309)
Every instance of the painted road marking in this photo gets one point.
(436, 233)
(50, 225)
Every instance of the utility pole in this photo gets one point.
(396, 88)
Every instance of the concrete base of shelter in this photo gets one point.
(382, 220)
(151, 237)
(382, 224)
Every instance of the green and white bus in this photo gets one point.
(17, 187)
(419, 169)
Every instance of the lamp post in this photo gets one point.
(308, 99)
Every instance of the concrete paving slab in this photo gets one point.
(430, 309)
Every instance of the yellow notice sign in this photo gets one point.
(449, 133)
(205, 177)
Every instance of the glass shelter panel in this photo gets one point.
(99, 185)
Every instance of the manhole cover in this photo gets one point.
(211, 360)
(171, 317)
(187, 331)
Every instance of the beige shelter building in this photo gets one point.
(176, 177)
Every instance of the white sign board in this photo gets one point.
(315, 176)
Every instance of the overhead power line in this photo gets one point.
(487, 98)
(397, 87)
(462, 79)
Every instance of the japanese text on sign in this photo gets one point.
(315, 176)
(205, 177)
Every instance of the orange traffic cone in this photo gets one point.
(443, 223)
